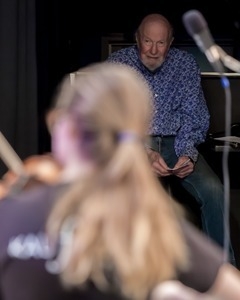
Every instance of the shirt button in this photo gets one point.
(155, 95)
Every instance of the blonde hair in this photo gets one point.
(124, 221)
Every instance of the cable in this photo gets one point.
(226, 181)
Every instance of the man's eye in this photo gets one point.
(161, 43)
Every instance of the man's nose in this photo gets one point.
(154, 48)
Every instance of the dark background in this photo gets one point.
(43, 40)
(69, 34)
(72, 30)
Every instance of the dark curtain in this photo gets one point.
(18, 77)
(40, 41)
(64, 43)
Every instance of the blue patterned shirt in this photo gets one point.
(180, 108)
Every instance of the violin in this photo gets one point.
(22, 175)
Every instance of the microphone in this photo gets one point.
(197, 28)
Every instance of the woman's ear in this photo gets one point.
(49, 120)
(51, 116)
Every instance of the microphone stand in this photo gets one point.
(234, 65)
(226, 179)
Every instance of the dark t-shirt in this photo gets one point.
(23, 274)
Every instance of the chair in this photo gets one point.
(183, 197)
(73, 75)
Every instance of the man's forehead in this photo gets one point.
(155, 30)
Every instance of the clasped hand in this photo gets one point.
(182, 168)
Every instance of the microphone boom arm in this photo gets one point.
(228, 61)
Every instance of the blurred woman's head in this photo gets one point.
(122, 222)
(104, 105)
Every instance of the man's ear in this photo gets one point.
(137, 38)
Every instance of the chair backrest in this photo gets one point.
(73, 75)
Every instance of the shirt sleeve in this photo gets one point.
(195, 117)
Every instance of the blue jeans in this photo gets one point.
(207, 189)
